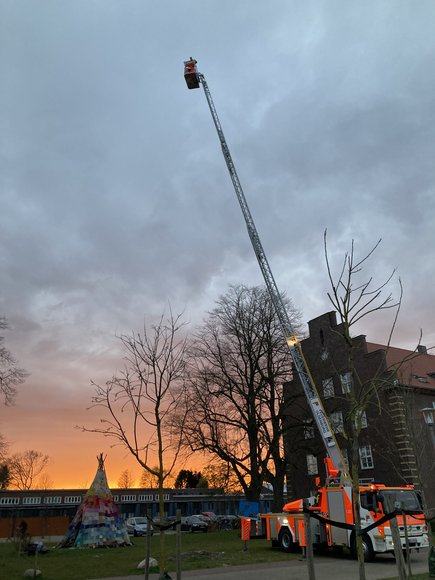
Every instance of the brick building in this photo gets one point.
(395, 445)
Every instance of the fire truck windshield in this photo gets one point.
(407, 498)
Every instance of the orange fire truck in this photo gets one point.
(331, 508)
(332, 519)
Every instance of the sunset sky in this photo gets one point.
(115, 200)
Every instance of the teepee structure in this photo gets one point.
(97, 522)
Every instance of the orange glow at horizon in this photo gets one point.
(49, 420)
(72, 452)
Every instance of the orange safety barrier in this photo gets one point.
(246, 528)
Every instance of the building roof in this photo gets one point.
(415, 368)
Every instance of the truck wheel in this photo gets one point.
(285, 540)
(369, 553)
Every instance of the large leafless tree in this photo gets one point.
(239, 363)
(24, 468)
(4, 468)
(126, 479)
(136, 405)
(220, 475)
(10, 374)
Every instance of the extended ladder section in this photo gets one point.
(194, 79)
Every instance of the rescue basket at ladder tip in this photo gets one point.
(191, 73)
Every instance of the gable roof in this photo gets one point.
(416, 369)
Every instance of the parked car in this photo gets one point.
(194, 523)
(137, 526)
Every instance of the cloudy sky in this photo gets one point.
(115, 199)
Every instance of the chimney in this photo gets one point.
(421, 349)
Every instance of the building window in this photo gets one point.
(148, 497)
(53, 499)
(312, 465)
(73, 499)
(365, 481)
(116, 498)
(337, 421)
(366, 457)
(128, 498)
(308, 429)
(165, 497)
(31, 500)
(346, 382)
(363, 420)
(328, 388)
(9, 500)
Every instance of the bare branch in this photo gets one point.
(137, 404)
(10, 374)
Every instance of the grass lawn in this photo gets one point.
(209, 550)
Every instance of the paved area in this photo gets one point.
(327, 568)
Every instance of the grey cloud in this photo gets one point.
(114, 196)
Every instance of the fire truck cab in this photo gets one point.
(333, 503)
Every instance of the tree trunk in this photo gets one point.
(162, 551)
(278, 491)
(357, 508)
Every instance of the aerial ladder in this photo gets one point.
(193, 80)
(334, 499)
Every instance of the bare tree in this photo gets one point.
(126, 479)
(5, 476)
(4, 446)
(354, 298)
(137, 404)
(25, 467)
(4, 469)
(10, 374)
(45, 481)
(220, 475)
(148, 479)
(239, 363)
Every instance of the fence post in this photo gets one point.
(431, 560)
(147, 545)
(178, 542)
(398, 553)
(408, 551)
(308, 541)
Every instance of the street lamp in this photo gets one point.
(429, 418)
